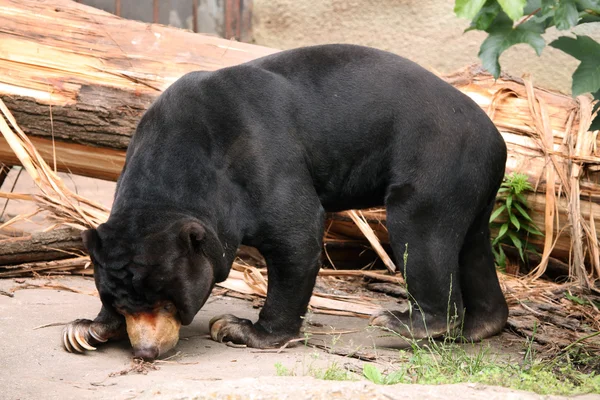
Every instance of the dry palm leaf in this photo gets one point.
(251, 281)
(65, 207)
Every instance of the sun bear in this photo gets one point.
(255, 154)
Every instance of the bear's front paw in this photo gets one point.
(229, 328)
(79, 335)
(83, 334)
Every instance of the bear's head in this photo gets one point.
(156, 273)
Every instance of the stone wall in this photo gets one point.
(426, 31)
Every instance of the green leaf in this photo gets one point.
(521, 198)
(502, 231)
(566, 15)
(485, 16)
(468, 8)
(515, 221)
(548, 6)
(518, 244)
(579, 47)
(522, 211)
(501, 260)
(575, 299)
(509, 201)
(592, 5)
(586, 77)
(496, 213)
(588, 18)
(532, 229)
(595, 125)
(373, 374)
(502, 36)
(513, 8)
(394, 378)
(543, 11)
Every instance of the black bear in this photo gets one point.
(256, 154)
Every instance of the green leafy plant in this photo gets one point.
(449, 362)
(281, 370)
(510, 22)
(333, 372)
(512, 218)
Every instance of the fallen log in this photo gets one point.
(61, 267)
(96, 162)
(73, 72)
(41, 246)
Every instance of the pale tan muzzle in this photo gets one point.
(153, 333)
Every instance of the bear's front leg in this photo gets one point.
(83, 334)
(289, 291)
(292, 254)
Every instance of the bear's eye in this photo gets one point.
(169, 307)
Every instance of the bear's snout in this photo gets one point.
(153, 333)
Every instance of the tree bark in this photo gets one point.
(76, 73)
(43, 246)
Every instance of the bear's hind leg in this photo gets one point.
(423, 228)
(486, 311)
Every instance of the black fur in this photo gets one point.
(255, 154)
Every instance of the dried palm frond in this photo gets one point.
(65, 207)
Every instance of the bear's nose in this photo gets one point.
(147, 353)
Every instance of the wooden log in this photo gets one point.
(43, 246)
(80, 74)
(64, 266)
(96, 162)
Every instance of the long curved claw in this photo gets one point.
(82, 342)
(229, 328)
(66, 340)
(224, 325)
(216, 325)
(72, 340)
(95, 336)
(79, 335)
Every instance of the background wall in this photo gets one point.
(425, 31)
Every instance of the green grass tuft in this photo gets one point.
(448, 362)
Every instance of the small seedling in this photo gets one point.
(372, 373)
(281, 370)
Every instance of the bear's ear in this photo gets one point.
(192, 235)
(198, 238)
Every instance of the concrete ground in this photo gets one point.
(34, 365)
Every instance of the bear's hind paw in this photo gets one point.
(410, 326)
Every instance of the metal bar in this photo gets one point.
(155, 11)
(118, 8)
